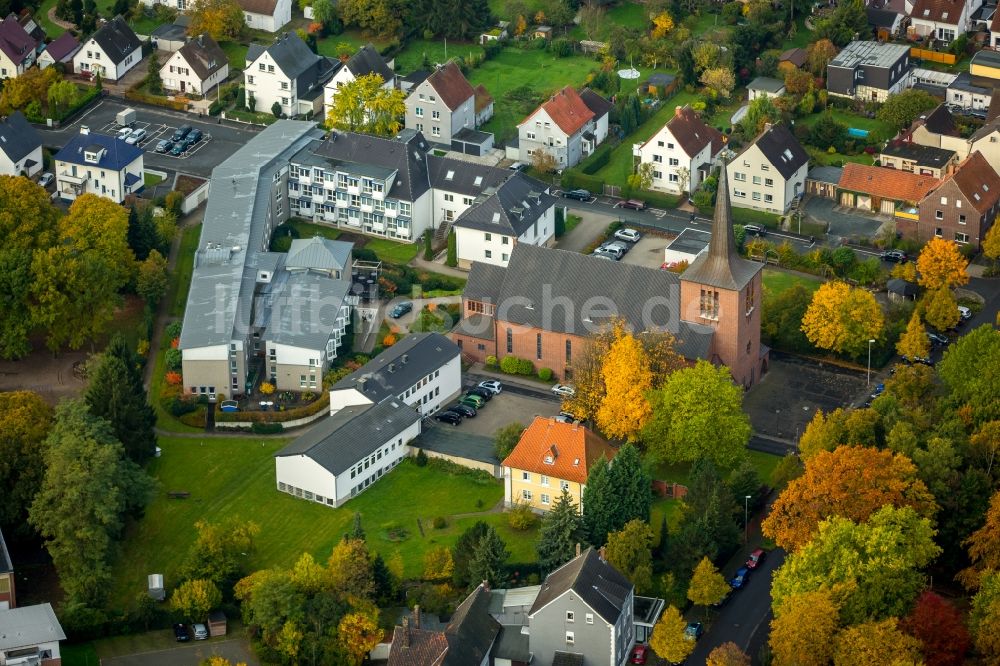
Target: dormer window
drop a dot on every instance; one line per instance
(549, 460)
(92, 155)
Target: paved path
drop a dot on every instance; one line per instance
(402, 325)
(438, 266)
(59, 22)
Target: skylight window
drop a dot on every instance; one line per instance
(927, 12)
(986, 188)
(479, 181)
(788, 155)
(944, 15)
(450, 175)
(975, 196)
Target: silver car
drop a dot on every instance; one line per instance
(136, 136)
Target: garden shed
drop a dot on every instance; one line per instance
(217, 623)
(901, 290)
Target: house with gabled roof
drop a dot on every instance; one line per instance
(61, 49)
(681, 152)
(287, 73)
(30, 635)
(962, 208)
(769, 172)
(111, 51)
(568, 126)
(365, 61)
(98, 164)
(942, 20)
(266, 15)
(442, 105)
(8, 597)
(17, 48)
(552, 456)
(882, 190)
(20, 147)
(197, 67)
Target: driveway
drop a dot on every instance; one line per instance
(647, 252)
(403, 323)
(236, 650)
(591, 226)
(509, 407)
(843, 222)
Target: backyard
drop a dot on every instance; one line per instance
(234, 477)
(390, 251)
(776, 281)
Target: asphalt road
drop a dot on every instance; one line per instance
(745, 618)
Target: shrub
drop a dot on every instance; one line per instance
(598, 161)
(173, 330)
(266, 428)
(613, 227)
(174, 378)
(181, 406)
(174, 200)
(521, 517)
(439, 523)
(491, 361)
(267, 388)
(510, 364)
(545, 374)
(525, 367)
(194, 418)
(389, 340)
(173, 359)
(421, 458)
(562, 48)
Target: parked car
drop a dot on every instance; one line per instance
(491, 385)
(449, 417)
(124, 132)
(179, 147)
(482, 393)
(518, 166)
(400, 309)
(46, 179)
(693, 631)
(879, 389)
(917, 359)
(564, 390)
(194, 136)
(579, 195)
(756, 557)
(473, 401)
(181, 132)
(937, 339)
(137, 137)
(601, 255)
(164, 145)
(894, 257)
(633, 204)
(200, 632)
(464, 410)
(565, 417)
(608, 253)
(629, 235)
(640, 653)
(754, 230)
(739, 579)
(181, 634)
(617, 246)
(964, 313)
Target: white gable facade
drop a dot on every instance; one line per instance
(178, 75)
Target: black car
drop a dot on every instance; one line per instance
(894, 257)
(194, 136)
(181, 633)
(937, 339)
(449, 417)
(401, 309)
(482, 393)
(579, 195)
(180, 133)
(465, 410)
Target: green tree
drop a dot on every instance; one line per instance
(349, 570)
(759, 112)
(632, 486)
(630, 552)
(842, 318)
(25, 420)
(698, 413)
(151, 281)
(668, 640)
(217, 553)
(903, 108)
(848, 22)
(357, 531)
(463, 550)
(365, 106)
(560, 533)
(781, 318)
(221, 19)
(961, 368)
(142, 233)
(984, 620)
(452, 258)
(707, 585)
(153, 81)
(88, 487)
(325, 12)
(598, 503)
(62, 95)
(505, 439)
(488, 559)
(195, 598)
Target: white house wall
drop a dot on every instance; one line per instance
(172, 80)
(11, 168)
(90, 58)
(340, 398)
(266, 85)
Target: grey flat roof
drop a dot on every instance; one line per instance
(222, 285)
(987, 58)
(319, 253)
(766, 84)
(469, 135)
(825, 174)
(400, 366)
(455, 442)
(690, 241)
(302, 309)
(869, 53)
(966, 83)
(28, 626)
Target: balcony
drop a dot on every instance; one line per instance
(378, 195)
(70, 178)
(391, 212)
(354, 189)
(908, 213)
(318, 198)
(367, 208)
(305, 179)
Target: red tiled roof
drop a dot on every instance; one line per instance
(691, 132)
(451, 85)
(939, 11)
(567, 110)
(978, 181)
(570, 447)
(885, 183)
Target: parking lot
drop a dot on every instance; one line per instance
(156, 132)
(512, 405)
(647, 252)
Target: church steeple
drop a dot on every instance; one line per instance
(721, 265)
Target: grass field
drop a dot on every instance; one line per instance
(328, 45)
(776, 282)
(387, 250)
(79, 655)
(437, 51)
(237, 54)
(234, 477)
(823, 158)
(875, 126)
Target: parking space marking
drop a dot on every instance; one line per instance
(156, 133)
(658, 212)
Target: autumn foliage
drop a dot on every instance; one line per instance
(389, 340)
(940, 264)
(940, 628)
(842, 318)
(984, 545)
(627, 378)
(803, 628)
(852, 482)
(174, 378)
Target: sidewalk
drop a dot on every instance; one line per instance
(534, 385)
(438, 266)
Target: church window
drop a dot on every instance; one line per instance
(709, 304)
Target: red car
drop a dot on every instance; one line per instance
(633, 204)
(756, 557)
(640, 653)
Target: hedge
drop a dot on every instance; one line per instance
(657, 199)
(136, 96)
(597, 162)
(81, 101)
(276, 417)
(573, 179)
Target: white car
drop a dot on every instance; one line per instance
(136, 136)
(630, 235)
(46, 179)
(124, 133)
(564, 390)
(200, 632)
(492, 385)
(964, 312)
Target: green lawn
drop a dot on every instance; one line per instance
(393, 252)
(751, 216)
(308, 229)
(776, 282)
(79, 655)
(764, 463)
(51, 29)
(353, 38)
(234, 477)
(875, 126)
(411, 58)
(237, 54)
(823, 158)
(151, 180)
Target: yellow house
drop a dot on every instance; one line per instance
(986, 64)
(549, 457)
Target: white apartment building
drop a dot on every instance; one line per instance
(768, 173)
(98, 164)
(681, 152)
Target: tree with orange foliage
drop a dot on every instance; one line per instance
(940, 264)
(984, 547)
(852, 482)
(842, 318)
(727, 654)
(389, 340)
(940, 628)
(174, 378)
(625, 409)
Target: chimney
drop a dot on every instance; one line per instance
(601, 552)
(677, 111)
(486, 585)
(404, 358)
(416, 616)
(578, 549)
(406, 632)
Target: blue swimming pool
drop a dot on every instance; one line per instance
(857, 133)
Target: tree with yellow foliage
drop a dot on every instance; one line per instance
(540, 17)
(195, 598)
(438, 564)
(707, 585)
(668, 640)
(940, 308)
(905, 271)
(842, 318)
(876, 644)
(803, 629)
(991, 243)
(358, 634)
(719, 81)
(218, 660)
(364, 106)
(913, 342)
(727, 654)
(940, 264)
(520, 26)
(663, 23)
(222, 19)
(625, 409)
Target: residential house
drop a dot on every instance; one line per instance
(266, 15)
(681, 153)
(17, 48)
(345, 453)
(442, 105)
(551, 457)
(495, 34)
(584, 613)
(962, 208)
(61, 49)
(518, 210)
(197, 67)
(968, 92)
(423, 370)
(659, 84)
(31, 26)
(286, 73)
(880, 190)
(869, 71)
(823, 180)
(170, 37)
(886, 23)
(20, 147)
(29, 636)
(942, 20)
(994, 41)
(914, 158)
(467, 639)
(484, 105)
(98, 164)
(982, 18)
(412, 80)
(542, 32)
(568, 126)
(8, 598)
(365, 61)
(111, 51)
(712, 308)
(769, 172)
(225, 318)
(794, 58)
(985, 65)
(763, 86)
(937, 129)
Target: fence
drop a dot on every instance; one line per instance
(933, 56)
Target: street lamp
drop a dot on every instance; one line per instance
(746, 516)
(870, 343)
